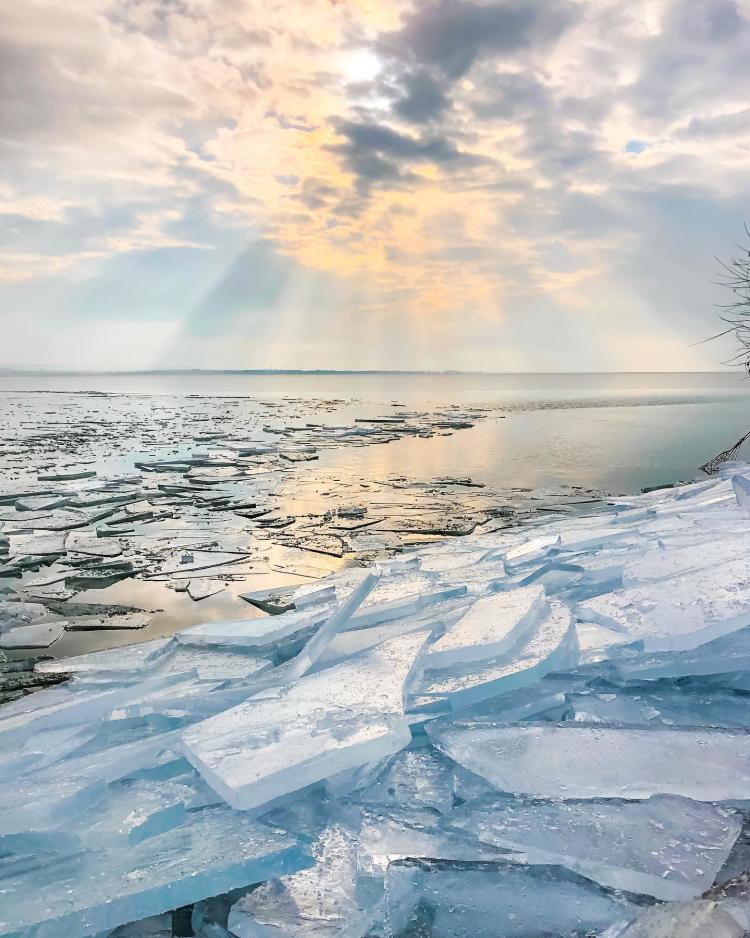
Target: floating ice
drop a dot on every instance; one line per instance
(40, 635)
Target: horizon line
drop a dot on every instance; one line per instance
(11, 371)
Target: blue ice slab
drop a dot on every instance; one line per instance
(665, 847)
(85, 893)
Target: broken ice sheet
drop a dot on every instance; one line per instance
(212, 851)
(39, 635)
(46, 542)
(446, 899)
(320, 902)
(130, 620)
(325, 723)
(203, 587)
(489, 628)
(692, 609)
(92, 546)
(580, 761)
(665, 847)
(550, 646)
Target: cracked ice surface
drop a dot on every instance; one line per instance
(522, 733)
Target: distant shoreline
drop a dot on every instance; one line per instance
(51, 373)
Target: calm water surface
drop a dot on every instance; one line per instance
(614, 432)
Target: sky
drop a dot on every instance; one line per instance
(497, 185)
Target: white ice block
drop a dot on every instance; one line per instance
(550, 646)
(489, 628)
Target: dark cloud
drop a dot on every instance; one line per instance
(423, 97)
(724, 125)
(451, 34)
(376, 153)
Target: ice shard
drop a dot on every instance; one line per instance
(489, 628)
(325, 723)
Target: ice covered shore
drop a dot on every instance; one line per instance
(536, 732)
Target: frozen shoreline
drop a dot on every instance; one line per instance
(538, 730)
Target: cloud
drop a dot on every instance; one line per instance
(423, 97)
(452, 34)
(427, 180)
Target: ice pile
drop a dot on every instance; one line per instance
(537, 732)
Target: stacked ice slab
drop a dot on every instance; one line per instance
(537, 732)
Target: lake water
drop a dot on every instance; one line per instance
(611, 432)
(549, 442)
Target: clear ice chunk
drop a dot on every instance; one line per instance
(319, 902)
(128, 659)
(669, 706)
(325, 723)
(491, 899)
(253, 633)
(701, 918)
(533, 549)
(399, 835)
(88, 892)
(721, 656)
(419, 778)
(666, 847)
(581, 761)
(741, 486)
